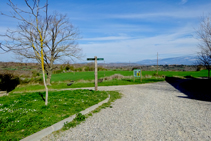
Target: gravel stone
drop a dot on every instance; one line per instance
(155, 111)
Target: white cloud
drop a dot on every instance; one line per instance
(107, 38)
(141, 48)
(183, 13)
(172, 14)
(183, 1)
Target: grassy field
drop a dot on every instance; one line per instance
(63, 85)
(90, 75)
(24, 114)
(85, 79)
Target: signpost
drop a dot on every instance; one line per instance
(90, 59)
(94, 59)
(137, 73)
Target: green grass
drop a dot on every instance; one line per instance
(24, 114)
(90, 75)
(202, 73)
(85, 75)
(59, 81)
(63, 85)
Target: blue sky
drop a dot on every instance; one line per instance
(127, 30)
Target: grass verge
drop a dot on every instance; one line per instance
(24, 114)
(59, 81)
(80, 118)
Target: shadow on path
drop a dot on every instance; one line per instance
(193, 88)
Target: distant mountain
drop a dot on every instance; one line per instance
(185, 60)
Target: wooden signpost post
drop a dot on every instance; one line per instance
(95, 59)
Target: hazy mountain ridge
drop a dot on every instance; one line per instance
(185, 60)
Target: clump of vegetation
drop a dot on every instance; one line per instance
(77, 120)
(32, 80)
(157, 75)
(78, 68)
(8, 82)
(35, 73)
(199, 68)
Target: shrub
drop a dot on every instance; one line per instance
(78, 69)
(57, 71)
(35, 73)
(87, 68)
(199, 68)
(8, 82)
(101, 68)
(67, 67)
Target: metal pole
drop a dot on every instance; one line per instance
(104, 68)
(95, 73)
(157, 62)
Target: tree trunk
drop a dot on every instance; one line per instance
(48, 81)
(46, 88)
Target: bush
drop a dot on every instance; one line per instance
(31, 80)
(35, 73)
(67, 67)
(8, 82)
(199, 68)
(87, 68)
(78, 69)
(101, 69)
(57, 71)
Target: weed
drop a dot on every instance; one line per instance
(77, 120)
(80, 117)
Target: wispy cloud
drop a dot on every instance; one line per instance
(136, 49)
(183, 1)
(183, 14)
(174, 12)
(109, 38)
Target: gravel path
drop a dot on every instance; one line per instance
(155, 111)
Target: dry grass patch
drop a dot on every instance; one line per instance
(117, 76)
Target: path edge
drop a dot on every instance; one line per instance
(57, 126)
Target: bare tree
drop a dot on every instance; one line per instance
(204, 35)
(58, 38)
(22, 40)
(60, 41)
